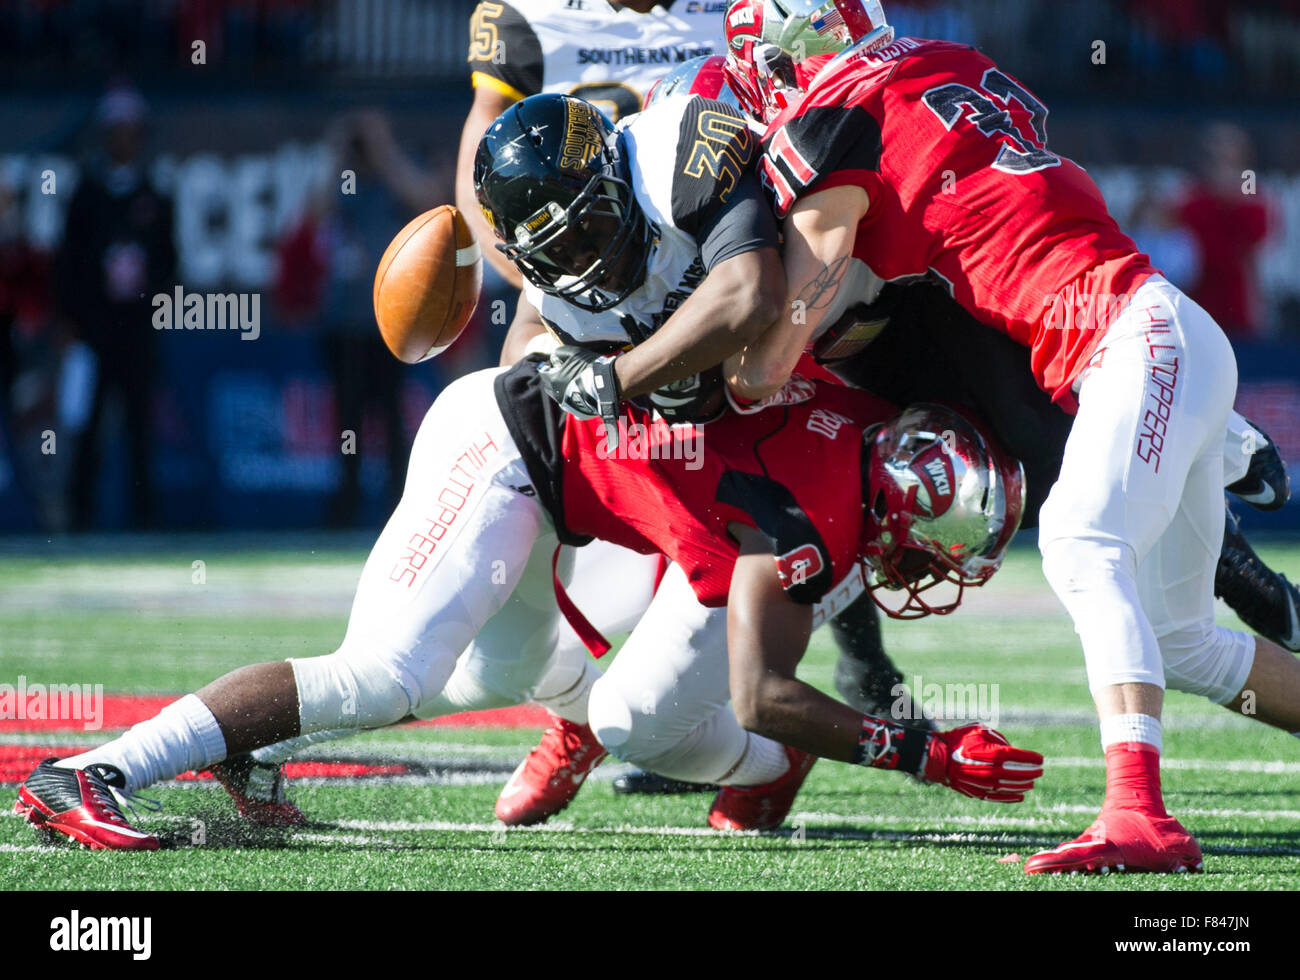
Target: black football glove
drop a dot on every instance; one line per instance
(583, 384)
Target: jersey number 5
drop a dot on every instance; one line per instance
(484, 45)
(989, 112)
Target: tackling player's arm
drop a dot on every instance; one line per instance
(767, 635)
(821, 166)
(819, 236)
(524, 328)
(717, 199)
(505, 59)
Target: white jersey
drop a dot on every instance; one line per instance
(660, 144)
(607, 55)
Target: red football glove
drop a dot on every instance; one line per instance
(977, 761)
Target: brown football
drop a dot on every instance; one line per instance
(427, 284)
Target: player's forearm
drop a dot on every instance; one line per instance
(789, 711)
(737, 300)
(819, 238)
(467, 202)
(767, 634)
(526, 325)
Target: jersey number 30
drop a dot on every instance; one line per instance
(989, 112)
(723, 148)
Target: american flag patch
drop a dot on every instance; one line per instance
(828, 21)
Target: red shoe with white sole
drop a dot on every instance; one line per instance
(258, 791)
(762, 807)
(1123, 840)
(79, 803)
(550, 777)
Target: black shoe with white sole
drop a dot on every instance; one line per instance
(639, 781)
(1266, 485)
(1263, 598)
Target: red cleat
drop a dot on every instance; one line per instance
(550, 777)
(1123, 840)
(258, 791)
(79, 803)
(761, 807)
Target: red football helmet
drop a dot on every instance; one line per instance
(699, 76)
(768, 39)
(942, 504)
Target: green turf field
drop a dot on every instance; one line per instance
(141, 624)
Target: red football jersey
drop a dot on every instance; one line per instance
(953, 155)
(793, 472)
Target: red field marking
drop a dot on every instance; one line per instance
(125, 710)
(17, 762)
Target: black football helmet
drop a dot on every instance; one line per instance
(552, 179)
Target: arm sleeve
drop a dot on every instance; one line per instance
(745, 224)
(504, 52)
(715, 152)
(822, 147)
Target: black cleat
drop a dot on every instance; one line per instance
(639, 781)
(1266, 485)
(1263, 598)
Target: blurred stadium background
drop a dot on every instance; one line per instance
(107, 424)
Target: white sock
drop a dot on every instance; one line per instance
(181, 737)
(763, 762)
(1132, 728)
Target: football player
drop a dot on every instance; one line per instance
(608, 53)
(611, 54)
(768, 524)
(954, 183)
(664, 228)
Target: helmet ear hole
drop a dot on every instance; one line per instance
(879, 506)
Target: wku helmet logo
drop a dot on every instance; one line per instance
(933, 469)
(799, 565)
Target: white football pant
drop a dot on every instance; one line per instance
(455, 611)
(1132, 530)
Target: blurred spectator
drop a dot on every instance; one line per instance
(24, 388)
(360, 218)
(1182, 38)
(1172, 248)
(23, 278)
(117, 253)
(1229, 223)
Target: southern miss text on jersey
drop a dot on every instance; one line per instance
(607, 55)
(952, 153)
(691, 164)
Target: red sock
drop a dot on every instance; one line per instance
(1133, 778)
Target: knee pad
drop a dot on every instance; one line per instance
(1078, 567)
(610, 716)
(1212, 661)
(634, 732)
(1096, 582)
(355, 688)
